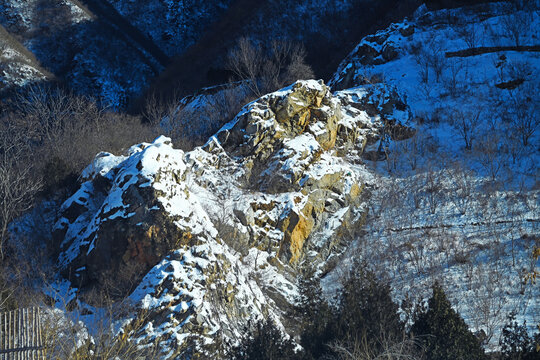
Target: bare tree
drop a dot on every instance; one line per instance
(517, 25)
(359, 349)
(422, 60)
(463, 185)
(18, 184)
(268, 69)
(468, 33)
(192, 120)
(156, 108)
(246, 61)
(48, 111)
(451, 81)
(432, 187)
(526, 110)
(466, 124)
(489, 155)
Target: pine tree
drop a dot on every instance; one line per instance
(367, 311)
(443, 332)
(516, 344)
(266, 342)
(315, 314)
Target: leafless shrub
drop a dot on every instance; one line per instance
(359, 349)
(487, 303)
(467, 124)
(422, 60)
(190, 125)
(246, 61)
(66, 336)
(411, 150)
(513, 145)
(463, 185)
(432, 188)
(436, 57)
(72, 128)
(50, 110)
(517, 25)
(157, 107)
(268, 69)
(451, 81)
(17, 182)
(525, 109)
(430, 56)
(113, 133)
(489, 156)
(468, 33)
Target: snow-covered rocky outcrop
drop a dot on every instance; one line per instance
(219, 230)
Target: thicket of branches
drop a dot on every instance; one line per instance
(266, 68)
(47, 136)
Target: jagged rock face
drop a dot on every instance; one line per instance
(196, 299)
(219, 230)
(375, 49)
(286, 143)
(129, 213)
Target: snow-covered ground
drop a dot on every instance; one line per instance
(459, 201)
(18, 67)
(68, 40)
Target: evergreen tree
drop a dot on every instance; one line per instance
(443, 332)
(314, 314)
(516, 344)
(266, 342)
(367, 313)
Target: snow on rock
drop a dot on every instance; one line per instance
(220, 230)
(466, 217)
(454, 65)
(196, 299)
(126, 199)
(18, 67)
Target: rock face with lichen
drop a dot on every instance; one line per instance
(206, 240)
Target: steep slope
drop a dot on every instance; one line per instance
(219, 231)
(104, 11)
(328, 29)
(180, 25)
(458, 202)
(113, 50)
(89, 55)
(18, 66)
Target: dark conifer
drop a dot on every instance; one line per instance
(266, 342)
(314, 313)
(516, 344)
(443, 332)
(367, 312)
